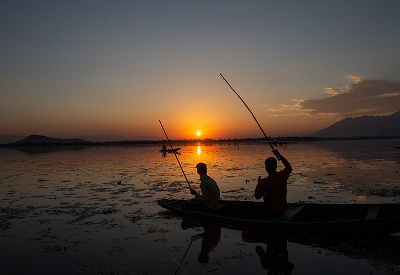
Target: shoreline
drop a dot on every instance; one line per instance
(274, 141)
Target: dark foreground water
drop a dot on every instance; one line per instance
(94, 209)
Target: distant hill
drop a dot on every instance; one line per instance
(363, 126)
(5, 139)
(43, 140)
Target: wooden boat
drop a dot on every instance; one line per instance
(301, 218)
(169, 150)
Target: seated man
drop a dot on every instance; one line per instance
(209, 198)
(274, 187)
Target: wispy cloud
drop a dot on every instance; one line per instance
(355, 78)
(345, 89)
(287, 110)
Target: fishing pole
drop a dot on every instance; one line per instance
(270, 144)
(175, 154)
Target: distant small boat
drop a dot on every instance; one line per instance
(169, 150)
(301, 218)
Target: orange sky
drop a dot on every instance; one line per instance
(74, 69)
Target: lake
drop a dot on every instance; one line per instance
(94, 209)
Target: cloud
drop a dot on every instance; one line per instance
(355, 78)
(364, 97)
(287, 110)
(345, 89)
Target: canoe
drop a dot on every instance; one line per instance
(169, 150)
(301, 218)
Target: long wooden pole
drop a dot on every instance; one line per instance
(270, 144)
(175, 154)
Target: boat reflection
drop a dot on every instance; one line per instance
(274, 258)
(164, 153)
(273, 249)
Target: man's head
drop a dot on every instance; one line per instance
(201, 168)
(271, 164)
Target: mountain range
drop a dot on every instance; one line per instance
(363, 126)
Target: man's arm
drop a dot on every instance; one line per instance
(284, 161)
(204, 193)
(259, 192)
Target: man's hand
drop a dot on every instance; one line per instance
(281, 158)
(192, 191)
(277, 154)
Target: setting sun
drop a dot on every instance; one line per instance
(198, 134)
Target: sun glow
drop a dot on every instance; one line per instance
(198, 134)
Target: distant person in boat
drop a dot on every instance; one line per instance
(274, 187)
(164, 148)
(209, 198)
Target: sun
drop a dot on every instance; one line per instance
(198, 134)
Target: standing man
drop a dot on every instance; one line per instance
(274, 187)
(209, 198)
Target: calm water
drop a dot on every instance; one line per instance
(94, 210)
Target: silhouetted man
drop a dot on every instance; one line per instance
(274, 187)
(209, 198)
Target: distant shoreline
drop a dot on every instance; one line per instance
(275, 141)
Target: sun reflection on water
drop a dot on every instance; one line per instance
(199, 150)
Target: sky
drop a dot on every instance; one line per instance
(83, 68)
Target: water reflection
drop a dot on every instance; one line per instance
(210, 239)
(100, 204)
(164, 154)
(363, 150)
(319, 170)
(275, 257)
(278, 253)
(34, 150)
